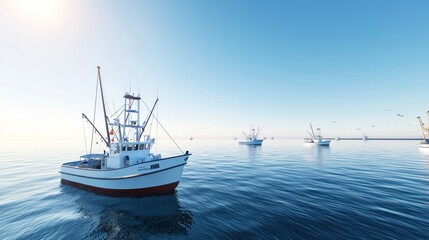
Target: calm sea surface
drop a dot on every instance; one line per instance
(282, 190)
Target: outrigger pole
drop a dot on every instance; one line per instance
(102, 137)
(310, 134)
(147, 120)
(312, 131)
(246, 135)
(106, 119)
(422, 126)
(259, 130)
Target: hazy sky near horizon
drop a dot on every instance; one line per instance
(219, 67)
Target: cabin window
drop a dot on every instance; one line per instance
(123, 148)
(141, 147)
(135, 147)
(129, 147)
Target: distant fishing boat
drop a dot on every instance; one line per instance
(316, 139)
(191, 138)
(127, 168)
(424, 145)
(235, 138)
(364, 137)
(252, 138)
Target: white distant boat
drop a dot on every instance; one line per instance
(127, 168)
(252, 138)
(316, 139)
(424, 145)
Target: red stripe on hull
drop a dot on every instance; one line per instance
(141, 192)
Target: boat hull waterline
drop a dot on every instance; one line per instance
(324, 142)
(156, 177)
(424, 148)
(252, 142)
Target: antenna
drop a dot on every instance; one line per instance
(129, 81)
(259, 130)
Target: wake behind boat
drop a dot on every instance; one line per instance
(127, 168)
(252, 138)
(316, 139)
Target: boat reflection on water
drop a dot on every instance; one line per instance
(316, 152)
(253, 151)
(130, 218)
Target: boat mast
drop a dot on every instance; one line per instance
(104, 108)
(128, 110)
(138, 121)
(125, 119)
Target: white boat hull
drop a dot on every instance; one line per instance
(148, 178)
(424, 147)
(324, 142)
(253, 142)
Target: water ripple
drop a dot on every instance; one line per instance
(282, 190)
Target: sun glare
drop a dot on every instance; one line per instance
(36, 13)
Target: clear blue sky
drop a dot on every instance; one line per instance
(219, 66)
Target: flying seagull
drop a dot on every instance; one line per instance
(372, 125)
(400, 115)
(388, 109)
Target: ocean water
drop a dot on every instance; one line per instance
(280, 190)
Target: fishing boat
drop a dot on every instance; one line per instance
(424, 145)
(127, 167)
(316, 139)
(252, 138)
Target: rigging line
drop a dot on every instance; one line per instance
(122, 108)
(157, 111)
(84, 136)
(150, 127)
(164, 129)
(93, 120)
(116, 111)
